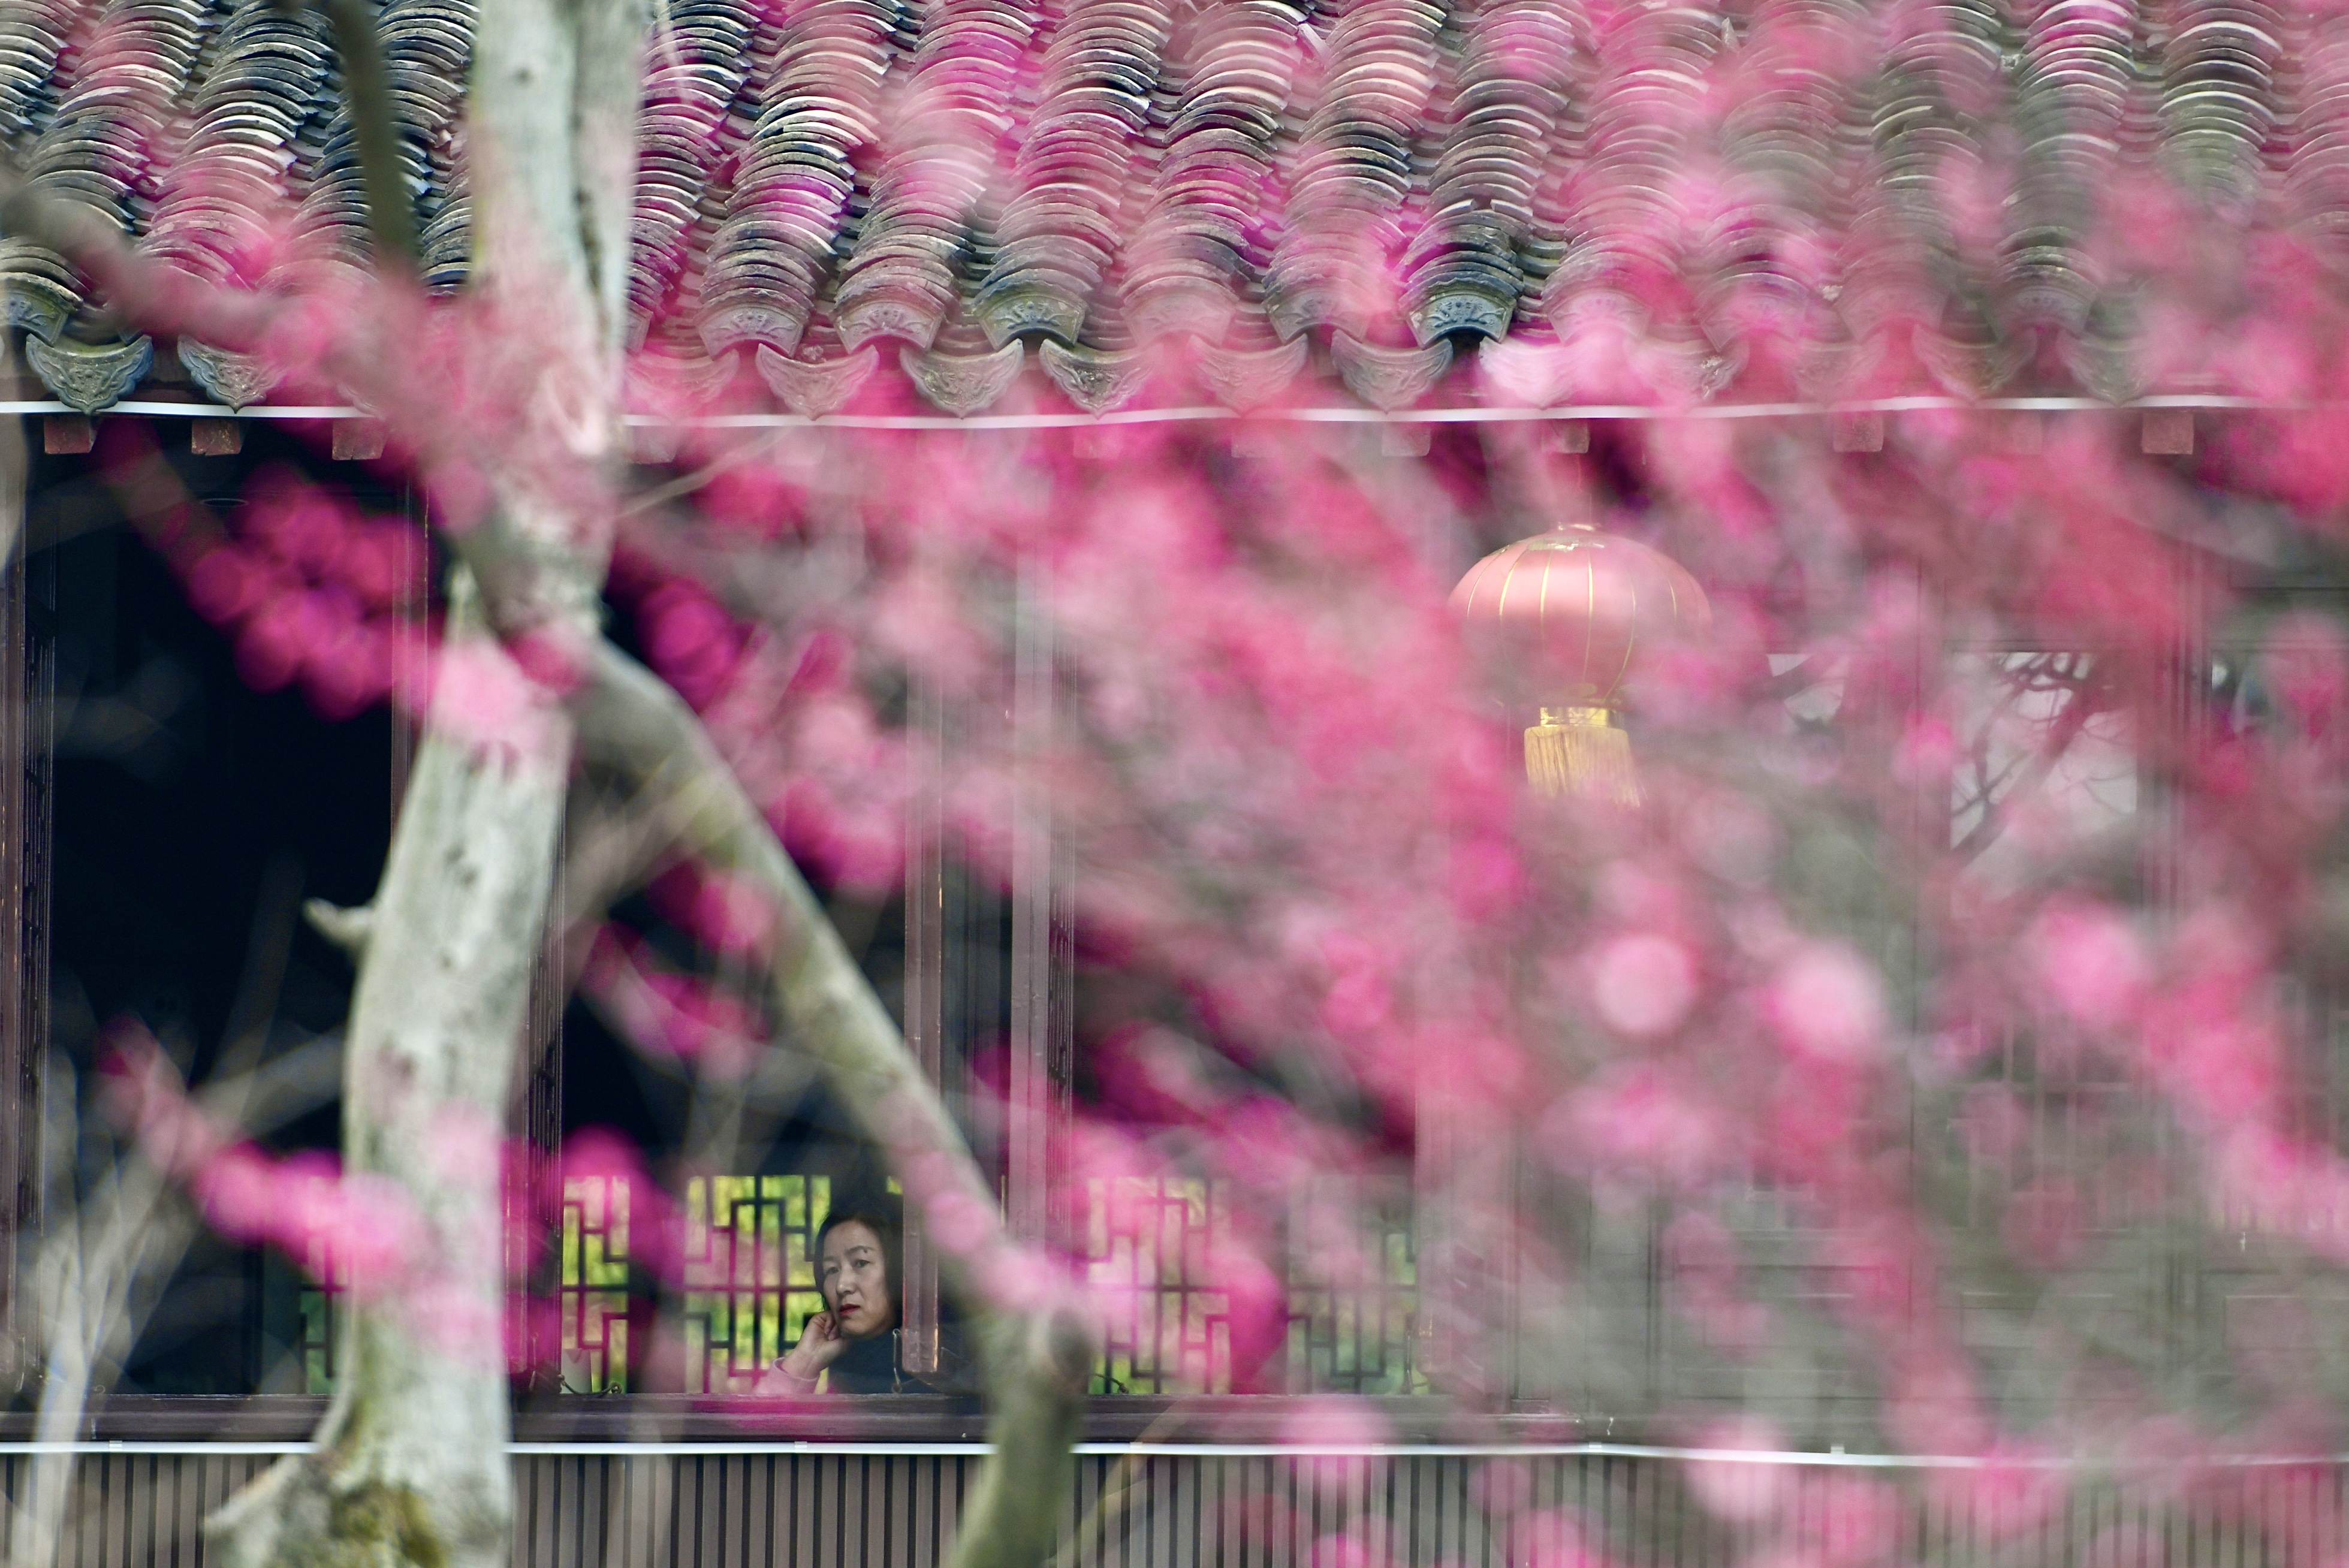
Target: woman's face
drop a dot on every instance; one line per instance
(854, 1274)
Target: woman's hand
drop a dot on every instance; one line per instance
(819, 1345)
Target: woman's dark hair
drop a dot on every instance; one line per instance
(883, 1213)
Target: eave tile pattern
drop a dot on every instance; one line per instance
(965, 205)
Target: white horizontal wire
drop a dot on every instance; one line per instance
(1328, 416)
(1210, 1450)
(195, 410)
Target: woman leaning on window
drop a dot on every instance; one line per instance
(859, 1266)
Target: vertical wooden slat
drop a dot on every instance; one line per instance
(1304, 1516)
(837, 1526)
(854, 1547)
(1184, 1505)
(1152, 1537)
(916, 1542)
(767, 1515)
(1200, 1514)
(570, 1500)
(676, 1517)
(701, 1508)
(966, 1475)
(938, 1478)
(144, 1541)
(97, 1526)
(623, 1541)
(188, 1511)
(654, 1531)
(113, 1506)
(873, 1542)
(1256, 1490)
(704, 1506)
(69, 1528)
(619, 1513)
(746, 1488)
(804, 1508)
(1227, 1554)
(554, 1486)
(597, 1494)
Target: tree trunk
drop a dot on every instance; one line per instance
(412, 1464)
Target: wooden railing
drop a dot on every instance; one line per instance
(874, 1504)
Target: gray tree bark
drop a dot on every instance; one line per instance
(410, 1465)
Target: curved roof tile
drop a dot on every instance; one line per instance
(1248, 200)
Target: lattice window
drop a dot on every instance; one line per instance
(325, 1277)
(1148, 1255)
(749, 1274)
(592, 1299)
(1151, 1248)
(1353, 1291)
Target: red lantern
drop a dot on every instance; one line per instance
(1570, 613)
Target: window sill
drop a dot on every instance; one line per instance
(1242, 1420)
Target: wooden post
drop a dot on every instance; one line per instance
(1042, 936)
(24, 787)
(925, 1003)
(1464, 1211)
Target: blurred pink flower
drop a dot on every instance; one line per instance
(1828, 1004)
(1634, 1117)
(1643, 984)
(2090, 961)
(1747, 1490)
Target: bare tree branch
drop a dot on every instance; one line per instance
(1038, 1348)
(390, 217)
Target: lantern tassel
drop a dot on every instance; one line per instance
(1581, 751)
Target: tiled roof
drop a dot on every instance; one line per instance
(851, 204)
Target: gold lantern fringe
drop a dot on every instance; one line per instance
(1581, 751)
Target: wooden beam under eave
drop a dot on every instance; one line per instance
(1859, 432)
(357, 441)
(215, 438)
(66, 435)
(2167, 432)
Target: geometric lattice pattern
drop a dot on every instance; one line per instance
(1150, 1247)
(592, 1294)
(325, 1279)
(1161, 1255)
(748, 1290)
(1352, 1291)
(749, 1274)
